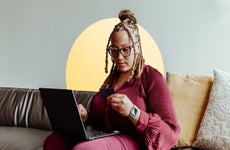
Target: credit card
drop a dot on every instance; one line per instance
(105, 92)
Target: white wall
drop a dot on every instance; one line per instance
(36, 36)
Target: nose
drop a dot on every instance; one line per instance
(120, 56)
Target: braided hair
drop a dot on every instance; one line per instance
(127, 23)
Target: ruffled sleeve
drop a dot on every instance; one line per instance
(158, 128)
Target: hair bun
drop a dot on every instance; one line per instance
(126, 14)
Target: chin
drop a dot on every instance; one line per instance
(124, 69)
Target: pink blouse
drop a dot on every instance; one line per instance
(158, 127)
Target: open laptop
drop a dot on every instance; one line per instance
(61, 107)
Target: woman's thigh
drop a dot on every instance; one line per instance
(118, 142)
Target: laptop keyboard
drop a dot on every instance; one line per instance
(94, 133)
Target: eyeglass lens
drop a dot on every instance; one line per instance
(114, 52)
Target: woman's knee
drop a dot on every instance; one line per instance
(55, 141)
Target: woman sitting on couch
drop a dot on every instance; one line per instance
(141, 106)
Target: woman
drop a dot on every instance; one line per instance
(141, 106)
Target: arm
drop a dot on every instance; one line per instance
(158, 127)
(156, 122)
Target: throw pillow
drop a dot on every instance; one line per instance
(214, 132)
(190, 96)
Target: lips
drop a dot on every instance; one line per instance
(120, 65)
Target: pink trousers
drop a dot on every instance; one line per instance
(118, 142)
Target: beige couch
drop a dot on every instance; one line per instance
(190, 94)
(202, 104)
(24, 123)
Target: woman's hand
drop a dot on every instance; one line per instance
(83, 112)
(121, 103)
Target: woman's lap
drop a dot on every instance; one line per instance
(119, 142)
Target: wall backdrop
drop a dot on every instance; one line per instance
(36, 36)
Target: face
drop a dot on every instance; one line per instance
(121, 40)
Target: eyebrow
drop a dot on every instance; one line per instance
(122, 46)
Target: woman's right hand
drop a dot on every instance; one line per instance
(83, 112)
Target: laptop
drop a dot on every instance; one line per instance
(61, 107)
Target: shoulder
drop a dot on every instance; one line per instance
(150, 72)
(153, 81)
(152, 77)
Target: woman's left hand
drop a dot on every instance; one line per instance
(83, 112)
(121, 103)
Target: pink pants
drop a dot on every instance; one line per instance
(119, 142)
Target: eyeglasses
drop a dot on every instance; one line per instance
(114, 52)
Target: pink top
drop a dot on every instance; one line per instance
(158, 126)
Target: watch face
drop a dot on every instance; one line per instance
(133, 111)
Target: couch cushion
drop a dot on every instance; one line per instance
(190, 95)
(214, 132)
(16, 138)
(22, 107)
(84, 98)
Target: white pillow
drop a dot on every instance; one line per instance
(214, 131)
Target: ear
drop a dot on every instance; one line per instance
(138, 46)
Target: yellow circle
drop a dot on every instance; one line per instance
(86, 60)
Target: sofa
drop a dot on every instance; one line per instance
(24, 123)
(202, 104)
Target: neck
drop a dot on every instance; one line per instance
(123, 77)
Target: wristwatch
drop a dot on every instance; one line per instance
(133, 112)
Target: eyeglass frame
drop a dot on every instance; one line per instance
(120, 51)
